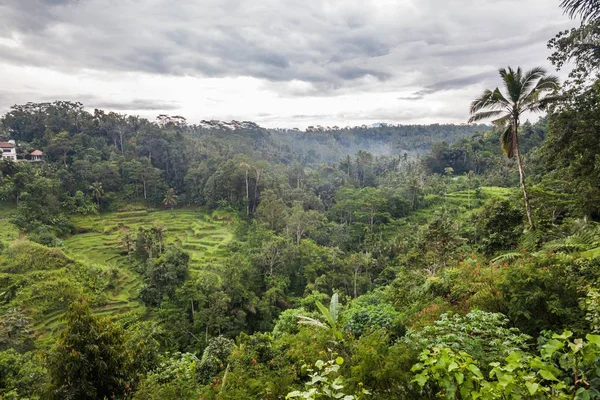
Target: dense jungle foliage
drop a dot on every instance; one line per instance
(167, 260)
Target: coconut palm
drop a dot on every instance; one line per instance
(523, 92)
(170, 199)
(98, 191)
(586, 9)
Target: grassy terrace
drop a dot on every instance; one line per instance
(464, 203)
(203, 236)
(98, 242)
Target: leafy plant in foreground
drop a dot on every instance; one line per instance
(325, 383)
(566, 368)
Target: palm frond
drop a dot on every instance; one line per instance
(484, 115)
(586, 9)
(547, 83)
(491, 99)
(531, 78)
(508, 142)
(512, 82)
(536, 99)
(503, 121)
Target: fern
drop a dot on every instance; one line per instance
(507, 257)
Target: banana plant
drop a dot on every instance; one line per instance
(329, 316)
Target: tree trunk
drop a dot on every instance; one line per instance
(256, 190)
(356, 270)
(522, 176)
(247, 195)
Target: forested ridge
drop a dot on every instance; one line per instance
(168, 259)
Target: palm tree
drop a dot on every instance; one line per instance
(523, 92)
(170, 198)
(98, 191)
(586, 9)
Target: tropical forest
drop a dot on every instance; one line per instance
(172, 259)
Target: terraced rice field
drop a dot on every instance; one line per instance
(204, 237)
(462, 203)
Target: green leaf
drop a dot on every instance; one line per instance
(576, 345)
(532, 387)
(594, 339)
(334, 307)
(505, 379)
(582, 394)
(421, 379)
(475, 370)
(551, 347)
(547, 375)
(565, 335)
(453, 365)
(295, 393)
(460, 378)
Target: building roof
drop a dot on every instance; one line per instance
(36, 153)
(6, 145)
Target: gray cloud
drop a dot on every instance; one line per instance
(334, 48)
(450, 84)
(133, 105)
(327, 43)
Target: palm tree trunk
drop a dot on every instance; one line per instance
(522, 178)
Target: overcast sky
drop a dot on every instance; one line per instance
(280, 63)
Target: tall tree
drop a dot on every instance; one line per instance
(523, 92)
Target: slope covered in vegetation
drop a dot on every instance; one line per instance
(161, 260)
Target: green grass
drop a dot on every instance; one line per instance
(8, 232)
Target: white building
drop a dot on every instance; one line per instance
(36, 156)
(8, 150)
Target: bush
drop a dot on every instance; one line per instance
(498, 226)
(287, 323)
(174, 378)
(485, 336)
(544, 293)
(43, 235)
(368, 313)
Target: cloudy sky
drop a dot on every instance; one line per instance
(286, 63)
